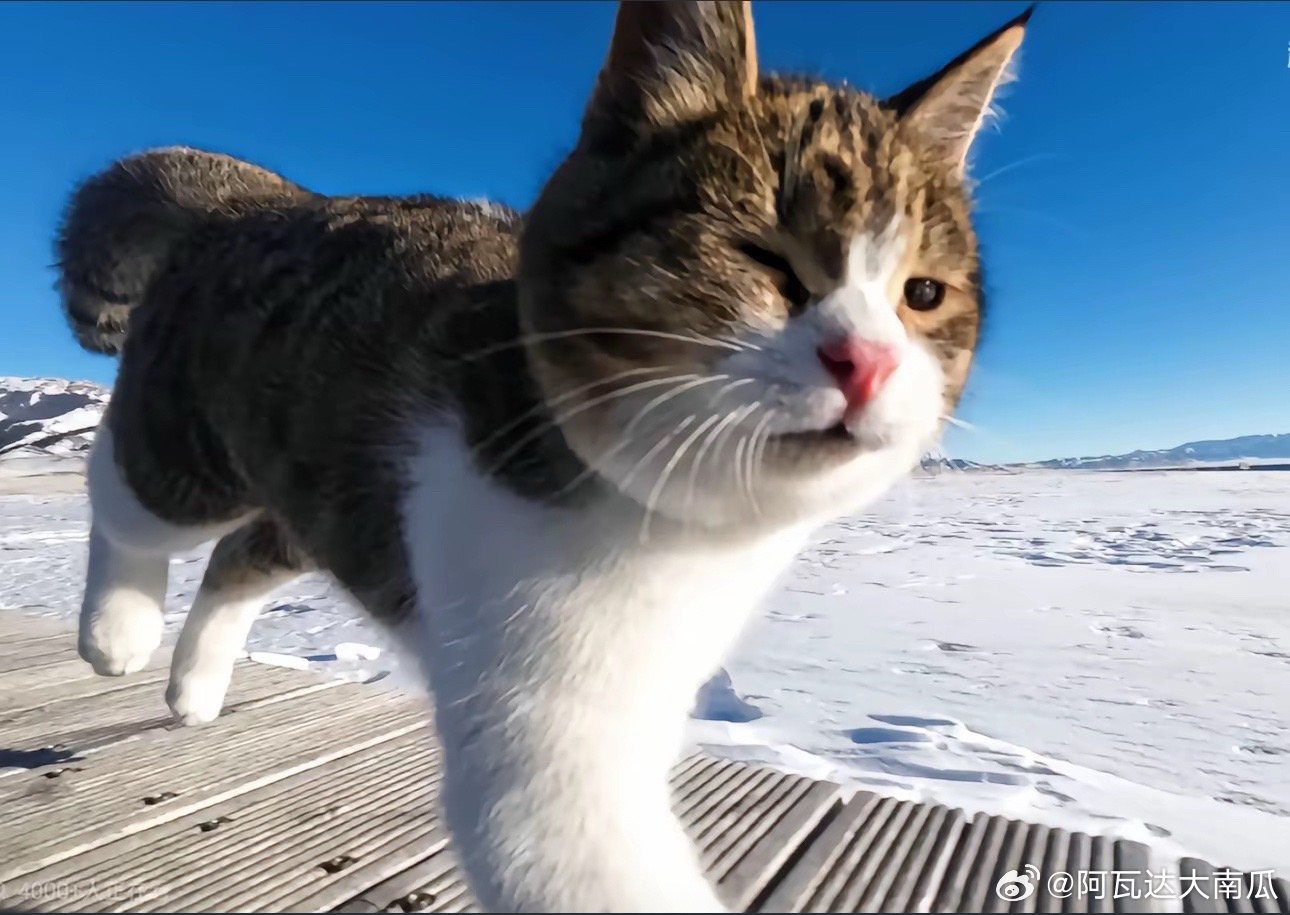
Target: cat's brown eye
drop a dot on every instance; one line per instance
(922, 294)
(781, 273)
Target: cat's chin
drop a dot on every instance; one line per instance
(818, 476)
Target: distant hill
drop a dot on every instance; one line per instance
(48, 416)
(1252, 448)
(931, 465)
(55, 417)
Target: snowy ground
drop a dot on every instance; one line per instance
(1108, 652)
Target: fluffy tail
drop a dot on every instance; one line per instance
(121, 224)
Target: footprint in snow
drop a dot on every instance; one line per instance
(952, 646)
(1124, 632)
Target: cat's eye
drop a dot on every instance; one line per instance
(922, 294)
(781, 273)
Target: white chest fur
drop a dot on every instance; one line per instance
(563, 655)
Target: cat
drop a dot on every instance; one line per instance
(560, 455)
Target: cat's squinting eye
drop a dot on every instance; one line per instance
(781, 273)
(922, 294)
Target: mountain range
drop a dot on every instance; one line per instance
(49, 416)
(56, 417)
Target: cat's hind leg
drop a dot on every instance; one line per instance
(245, 567)
(129, 561)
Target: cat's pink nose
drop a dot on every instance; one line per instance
(860, 368)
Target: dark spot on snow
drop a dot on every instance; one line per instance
(954, 646)
(914, 721)
(1126, 632)
(886, 735)
(1261, 749)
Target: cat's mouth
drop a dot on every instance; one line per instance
(837, 433)
(834, 442)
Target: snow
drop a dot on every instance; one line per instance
(1097, 651)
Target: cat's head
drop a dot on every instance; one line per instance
(755, 297)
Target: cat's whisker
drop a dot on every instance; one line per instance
(1048, 218)
(626, 439)
(752, 449)
(650, 454)
(666, 396)
(561, 418)
(961, 424)
(746, 345)
(740, 444)
(562, 398)
(547, 336)
(713, 437)
(760, 457)
(658, 446)
(671, 465)
(978, 183)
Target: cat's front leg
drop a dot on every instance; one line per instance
(557, 755)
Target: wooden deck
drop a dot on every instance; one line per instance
(313, 795)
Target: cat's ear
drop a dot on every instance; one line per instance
(674, 60)
(948, 108)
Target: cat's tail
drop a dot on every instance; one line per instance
(121, 224)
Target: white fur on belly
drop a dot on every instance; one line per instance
(564, 656)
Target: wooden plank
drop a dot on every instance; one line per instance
(684, 770)
(749, 867)
(1132, 859)
(18, 628)
(912, 882)
(703, 792)
(21, 692)
(1101, 862)
(887, 874)
(1032, 855)
(732, 836)
(426, 884)
(694, 782)
(867, 831)
(135, 784)
(712, 831)
(979, 885)
(1196, 878)
(69, 680)
(1079, 859)
(290, 870)
(796, 886)
(11, 645)
(1281, 894)
(40, 654)
(864, 879)
(950, 893)
(1002, 858)
(50, 695)
(49, 727)
(1233, 890)
(154, 862)
(1054, 861)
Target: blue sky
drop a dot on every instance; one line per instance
(1135, 209)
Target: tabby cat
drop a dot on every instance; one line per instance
(559, 455)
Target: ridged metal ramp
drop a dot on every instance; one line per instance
(105, 806)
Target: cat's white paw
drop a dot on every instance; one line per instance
(195, 698)
(120, 642)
